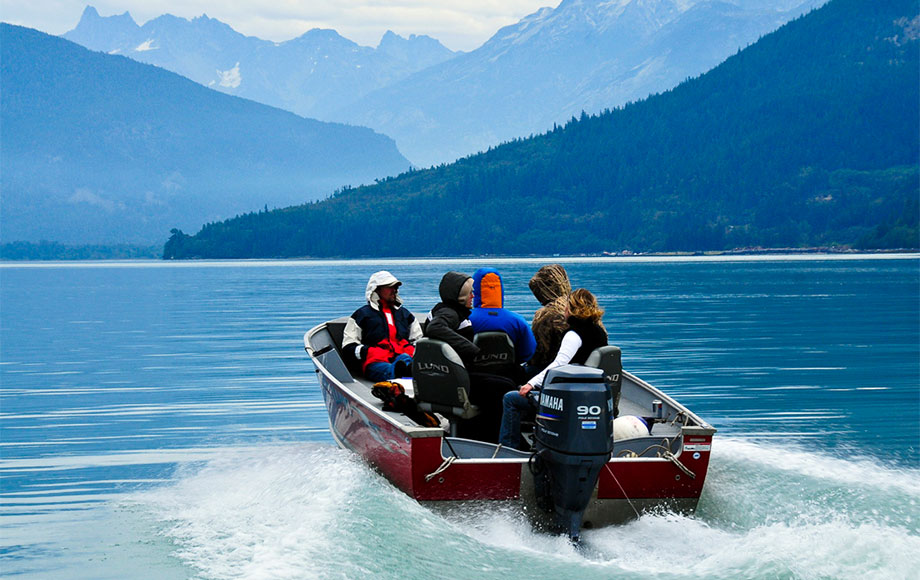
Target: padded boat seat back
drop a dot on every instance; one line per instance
(336, 330)
(609, 359)
(496, 355)
(441, 382)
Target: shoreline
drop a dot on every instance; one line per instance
(747, 255)
(136, 253)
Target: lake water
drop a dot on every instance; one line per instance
(161, 420)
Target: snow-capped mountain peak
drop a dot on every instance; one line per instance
(309, 75)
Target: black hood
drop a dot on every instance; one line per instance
(450, 286)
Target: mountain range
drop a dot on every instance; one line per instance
(97, 148)
(311, 75)
(806, 138)
(583, 55)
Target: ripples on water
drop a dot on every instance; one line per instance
(161, 420)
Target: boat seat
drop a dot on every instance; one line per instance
(496, 356)
(441, 382)
(336, 329)
(609, 359)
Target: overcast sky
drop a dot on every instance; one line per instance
(458, 24)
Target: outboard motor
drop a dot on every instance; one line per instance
(574, 440)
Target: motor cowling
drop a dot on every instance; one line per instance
(574, 440)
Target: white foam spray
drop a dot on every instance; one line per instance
(313, 511)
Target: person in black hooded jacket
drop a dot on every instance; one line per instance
(449, 320)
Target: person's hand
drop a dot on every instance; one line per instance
(525, 389)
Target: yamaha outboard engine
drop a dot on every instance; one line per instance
(574, 440)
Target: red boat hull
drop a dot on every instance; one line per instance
(412, 463)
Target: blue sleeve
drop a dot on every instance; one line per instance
(526, 344)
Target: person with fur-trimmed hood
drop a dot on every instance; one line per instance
(449, 320)
(381, 334)
(551, 286)
(490, 315)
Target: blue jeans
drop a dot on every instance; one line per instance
(381, 371)
(514, 407)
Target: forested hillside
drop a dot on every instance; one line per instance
(809, 137)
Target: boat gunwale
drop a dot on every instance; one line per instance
(700, 428)
(413, 431)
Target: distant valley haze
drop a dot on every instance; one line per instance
(102, 149)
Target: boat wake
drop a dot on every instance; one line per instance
(312, 510)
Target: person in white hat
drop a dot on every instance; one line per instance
(381, 334)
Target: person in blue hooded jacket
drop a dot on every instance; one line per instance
(490, 315)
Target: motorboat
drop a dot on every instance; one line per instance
(606, 446)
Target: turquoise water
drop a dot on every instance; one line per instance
(161, 420)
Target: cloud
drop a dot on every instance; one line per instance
(174, 182)
(458, 25)
(84, 195)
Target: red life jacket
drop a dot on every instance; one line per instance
(389, 348)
